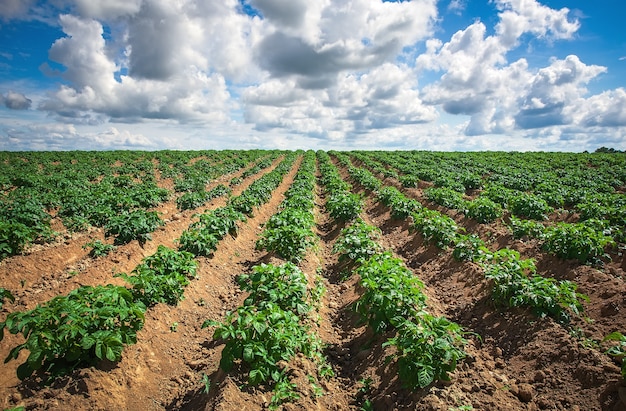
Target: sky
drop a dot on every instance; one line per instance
(447, 75)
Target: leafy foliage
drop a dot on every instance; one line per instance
(516, 284)
(289, 232)
(87, 325)
(285, 285)
(162, 277)
(576, 241)
(14, 238)
(98, 248)
(401, 206)
(445, 196)
(392, 293)
(356, 242)
(136, 225)
(526, 228)
(469, 248)
(530, 206)
(195, 199)
(267, 331)
(5, 295)
(436, 227)
(289, 242)
(344, 206)
(428, 350)
(483, 210)
(618, 351)
(202, 236)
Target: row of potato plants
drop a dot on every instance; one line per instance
(197, 196)
(271, 328)
(92, 324)
(341, 203)
(515, 282)
(113, 190)
(289, 233)
(202, 236)
(95, 323)
(587, 184)
(275, 322)
(561, 179)
(428, 347)
(587, 241)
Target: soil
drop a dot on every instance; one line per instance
(515, 360)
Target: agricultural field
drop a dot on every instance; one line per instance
(253, 280)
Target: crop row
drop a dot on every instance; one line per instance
(289, 233)
(427, 347)
(589, 185)
(515, 281)
(85, 189)
(275, 322)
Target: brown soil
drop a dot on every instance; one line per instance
(515, 360)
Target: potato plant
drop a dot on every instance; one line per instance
(135, 225)
(289, 232)
(483, 210)
(427, 347)
(392, 293)
(516, 284)
(88, 325)
(264, 334)
(577, 241)
(356, 243)
(162, 277)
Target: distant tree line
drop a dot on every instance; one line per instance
(608, 150)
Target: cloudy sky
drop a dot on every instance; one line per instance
(447, 75)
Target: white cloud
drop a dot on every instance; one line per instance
(499, 96)
(554, 92)
(109, 9)
(457, 6)
(15, 101)
(323, 73)
(607, 109)
(529, 16)
(350, 36)
(93, 94)
(382, 98)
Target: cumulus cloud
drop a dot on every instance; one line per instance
(457, 6)
(333, 38)
(189, 94)
(15, 101)
(381, 98)
(182, 61)
(554, 91)
(110, 9)
(607, 109)
(529, 16)
(59, 136)
(500, 96)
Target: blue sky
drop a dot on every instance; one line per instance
(334, 74)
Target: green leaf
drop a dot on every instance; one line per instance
(24, 371)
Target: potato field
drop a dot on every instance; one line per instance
(303, 280)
